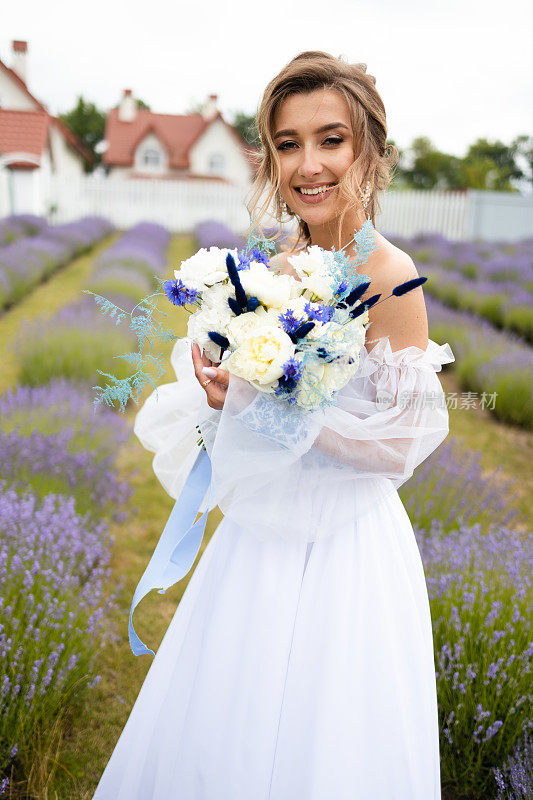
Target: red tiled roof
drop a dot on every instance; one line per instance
(176, 132)
(71, 139)
(23, 132)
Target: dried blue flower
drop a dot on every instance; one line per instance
(322, 314)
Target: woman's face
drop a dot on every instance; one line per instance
(313, 137)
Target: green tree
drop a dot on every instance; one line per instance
(490, 165)
(87, 122)
(430, 168)
(246, 125)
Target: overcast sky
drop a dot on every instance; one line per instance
(453, 71)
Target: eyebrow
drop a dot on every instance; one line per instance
(329, 127)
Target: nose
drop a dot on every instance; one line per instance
(310, 164)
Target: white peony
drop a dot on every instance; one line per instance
(270, 288)
(261, 355)
(242, 326)
(205, 267)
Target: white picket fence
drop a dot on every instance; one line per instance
(180, 205)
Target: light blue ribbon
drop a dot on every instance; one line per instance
(179, 543)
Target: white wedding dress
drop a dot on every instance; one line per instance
(299, 663)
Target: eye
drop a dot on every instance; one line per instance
(332, 141)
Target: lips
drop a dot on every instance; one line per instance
(319, 197)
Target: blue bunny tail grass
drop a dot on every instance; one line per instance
(302, 331)
(217, 338)
(252, 304)
(357, 293)
(356, 312)
(233, 272)
(403, 288)
(235, 307)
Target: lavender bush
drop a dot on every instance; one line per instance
(451, 486)
(17, 226)
(210, 233)
(479, 585)
(30, 260)
(515, 779)
(487, 361)
(53, 572)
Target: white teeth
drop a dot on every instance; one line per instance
(318, 190)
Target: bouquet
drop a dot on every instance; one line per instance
(296, 338)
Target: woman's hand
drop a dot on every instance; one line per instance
(214, 382)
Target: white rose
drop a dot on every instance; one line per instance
(205, 320)
(338, 373)
(260, 357)
(319, 283)
(270, 288)
(205, 267)
(309, 261)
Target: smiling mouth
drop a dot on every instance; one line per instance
(316, 190)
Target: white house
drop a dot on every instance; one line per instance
(142, 144)
(34, 145)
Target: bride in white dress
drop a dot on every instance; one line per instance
(299, 663)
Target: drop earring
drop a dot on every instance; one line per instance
(365, 197)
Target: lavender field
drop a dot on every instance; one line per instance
(81, 511)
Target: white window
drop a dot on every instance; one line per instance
(217, 163)
(151, 157)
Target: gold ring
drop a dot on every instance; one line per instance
(204, 383)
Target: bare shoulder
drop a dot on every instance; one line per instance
(403, 319)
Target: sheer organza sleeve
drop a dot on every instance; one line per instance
(290, 471)
(166, 422)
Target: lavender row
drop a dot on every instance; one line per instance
(479, 586)
(487, 360)
(58, 487)
(17, 226)
(54, 603)
(494, 281)
(497, 262)
(506, 305)
(29, 261)
(79, 339)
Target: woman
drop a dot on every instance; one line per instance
(299, 663)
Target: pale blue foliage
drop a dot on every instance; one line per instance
(261, 242)
(147, 331)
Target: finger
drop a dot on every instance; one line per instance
(218, 376)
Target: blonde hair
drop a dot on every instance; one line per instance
(374, 159)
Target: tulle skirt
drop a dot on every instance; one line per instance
(291, 671)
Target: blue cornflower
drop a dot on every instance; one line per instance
(244, 260)
(321, 314)
(289, 321)
(178, 293)
(292, 372)
(293, 369)
(343, 287)
(258, 255)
